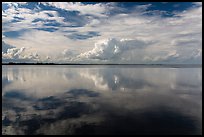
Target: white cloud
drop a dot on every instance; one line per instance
(169, 56)
(19, 55)
(14, 54)
(55, 45)
(5, 47)
(162, 36)
(198, 3)
(181, 33)
(112, 48)
(142, 8)
(96, 9)
(27, 17)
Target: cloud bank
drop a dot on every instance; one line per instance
(112, 48)
(114, 32)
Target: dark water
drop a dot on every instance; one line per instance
(101, 100)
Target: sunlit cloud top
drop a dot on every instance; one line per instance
(133, 32)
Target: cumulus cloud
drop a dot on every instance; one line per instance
(169, 56)
(14, 54)
(5, 47)
(63, 37)
(112, 48)
(19, 55)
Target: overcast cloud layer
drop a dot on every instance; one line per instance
(67, 32)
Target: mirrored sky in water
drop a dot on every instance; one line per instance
(101, 100)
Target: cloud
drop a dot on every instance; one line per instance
(86, 9)
(54, 27)
(112, 48)
(5, 47)
(16, 18)
(198, 4)
(19, 55)
(142, 8)
(168, 57)
(14, 54)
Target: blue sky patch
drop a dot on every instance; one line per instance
(92, 26)
(47, 29)
(14, 34)
(84, 36)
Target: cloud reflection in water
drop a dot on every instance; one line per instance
(101, 100)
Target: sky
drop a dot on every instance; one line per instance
(93, 32)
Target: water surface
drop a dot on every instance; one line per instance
(101, 100)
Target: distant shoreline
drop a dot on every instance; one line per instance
(73, 64)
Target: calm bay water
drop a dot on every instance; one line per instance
(101, 100)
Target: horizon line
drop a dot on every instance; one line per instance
(14, 63)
